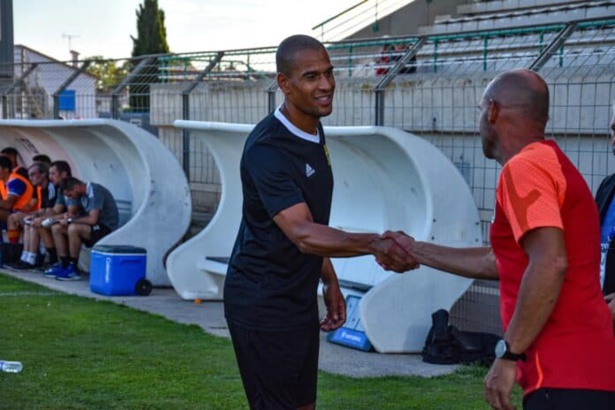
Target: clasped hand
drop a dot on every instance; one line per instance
(394, 252)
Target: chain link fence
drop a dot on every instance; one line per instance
(427, 85)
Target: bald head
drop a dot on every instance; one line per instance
(523, 90)
(287, 50)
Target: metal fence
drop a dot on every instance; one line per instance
(427, 85)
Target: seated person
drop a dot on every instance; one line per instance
(98, 217)
(42, 158)
(16, 194)
(46, 194)
(12, 154)
(58, 171)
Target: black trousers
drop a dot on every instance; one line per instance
(569, 399)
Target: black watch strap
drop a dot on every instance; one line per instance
(502, 351)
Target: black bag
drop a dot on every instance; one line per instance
(445, 344)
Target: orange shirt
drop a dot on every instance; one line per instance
(540, 187)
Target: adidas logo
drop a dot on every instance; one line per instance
(309, 171)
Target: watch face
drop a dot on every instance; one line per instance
(500, 348)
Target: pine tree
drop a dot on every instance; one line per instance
(151, 39)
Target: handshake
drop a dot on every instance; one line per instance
(395, 251)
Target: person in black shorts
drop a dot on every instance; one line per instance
(283, 245)
(97, 218)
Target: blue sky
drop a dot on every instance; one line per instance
(104, 27)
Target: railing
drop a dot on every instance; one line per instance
(354, 18)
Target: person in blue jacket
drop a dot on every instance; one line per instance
(606, 207)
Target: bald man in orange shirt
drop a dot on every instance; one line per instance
(558, 338)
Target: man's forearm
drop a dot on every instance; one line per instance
(477, 263)
(325, 241)
(327, 273)
(5, 205)
(538, 294)
(87, 220)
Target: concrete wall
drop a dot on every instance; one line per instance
(408, 19)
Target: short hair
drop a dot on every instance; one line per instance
(69, 183)
(42, 158)
(41, 167)
(5, 162)
(9, 151)
(288, 49)
(62, 166)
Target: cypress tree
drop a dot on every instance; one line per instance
(151, 39)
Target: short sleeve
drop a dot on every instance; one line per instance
(16, 187)
(531, 194)
(95, 198)
(270, 171)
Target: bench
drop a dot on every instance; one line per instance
(385, 178)
(214, 268)
(124, 208)
(144, 176)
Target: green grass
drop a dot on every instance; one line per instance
(80, 353)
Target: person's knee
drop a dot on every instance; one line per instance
(78, 231)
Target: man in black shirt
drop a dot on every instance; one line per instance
(283, 245)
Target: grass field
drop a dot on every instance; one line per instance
(80, 353)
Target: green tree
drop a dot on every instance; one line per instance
(151, 39)
(108, 74)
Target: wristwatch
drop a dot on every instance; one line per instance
(502, 351)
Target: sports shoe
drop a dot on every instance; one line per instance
(41, 268)
(70, 273)
(21, 265)
(53, 271)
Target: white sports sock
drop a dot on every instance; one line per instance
(31, 258)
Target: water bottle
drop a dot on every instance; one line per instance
(10, 367)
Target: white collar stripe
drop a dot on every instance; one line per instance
(299, 133)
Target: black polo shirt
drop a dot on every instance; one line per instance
(270, 284)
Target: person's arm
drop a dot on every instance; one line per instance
(30, 205)
(477, 263)
(540, 288)
(334, 300)
(297, 224)
(15, 188)
(91, 218)
(7, 204)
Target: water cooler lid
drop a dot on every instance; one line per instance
(118, 249)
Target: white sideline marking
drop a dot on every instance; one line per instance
(27, 293)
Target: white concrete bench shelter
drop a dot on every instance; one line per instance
(384, 178)
(145, 178)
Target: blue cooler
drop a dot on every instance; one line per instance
(118, 270)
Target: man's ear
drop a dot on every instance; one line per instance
(493, 111)
(283, 83)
